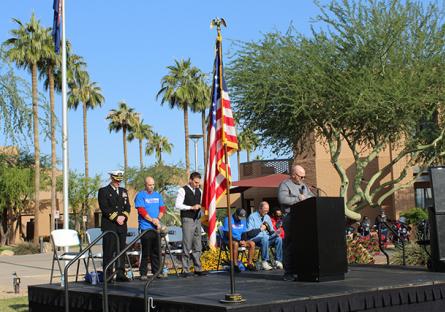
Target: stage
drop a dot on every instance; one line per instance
(365, 288)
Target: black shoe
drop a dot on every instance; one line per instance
(143, 277)
(122, 278)
(251, 267)
(236, 269)
(288, 277)
(201, 273)
(187, 274)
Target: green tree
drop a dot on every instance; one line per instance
(17, 190)
(141, 132)
(26, 48)
(48, 66)
(89, 94)
(15, 115)
(201, 104)
(80, 191)
(374, 79)
(179, 89)
(167, 178)
(157, 145)
(124, 118)
(247, 141)
(15, 195)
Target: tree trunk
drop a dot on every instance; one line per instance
(3, 225)
(53, 148)
(159, 154)
(124, 134)
(140, 154)
(248, 155)
(204, 139)
(238, 158)
(186, 131)
(35, 113)
(90, 210)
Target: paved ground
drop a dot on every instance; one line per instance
(32, 270)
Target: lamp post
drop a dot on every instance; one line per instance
(195, 138)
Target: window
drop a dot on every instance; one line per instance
(423, 197)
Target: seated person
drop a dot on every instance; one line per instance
(277, 222)
(239, 238)
(260, 230)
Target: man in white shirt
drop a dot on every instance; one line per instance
(188, 202)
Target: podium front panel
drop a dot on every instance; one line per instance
(318, 239)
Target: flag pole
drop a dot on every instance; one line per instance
(231, 297)
(64, 125)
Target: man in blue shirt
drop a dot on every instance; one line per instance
(239, 239)
(151, 208)
(260, 225)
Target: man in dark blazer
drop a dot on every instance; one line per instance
(115, 206)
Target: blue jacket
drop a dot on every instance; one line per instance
(255, 221)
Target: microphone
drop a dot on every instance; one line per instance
(319, 190)
(302, 189)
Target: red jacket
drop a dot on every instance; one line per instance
(274, 223)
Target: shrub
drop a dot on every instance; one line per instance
(370, 242)
(26, 249)
(209, 259)
(357, 253)
(415, 215)
(414, 255)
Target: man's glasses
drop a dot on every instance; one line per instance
(297, 175)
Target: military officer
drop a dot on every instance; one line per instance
(115, 206)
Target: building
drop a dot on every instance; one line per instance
(322, 177)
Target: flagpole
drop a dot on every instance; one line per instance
(64, 126)
(232, 297)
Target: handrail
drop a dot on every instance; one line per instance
(379, 234)
(105, 289)
(161, 266)
(81, 253)
(398, 237)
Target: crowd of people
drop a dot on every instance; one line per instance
(264, 229)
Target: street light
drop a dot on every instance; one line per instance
(195, 138)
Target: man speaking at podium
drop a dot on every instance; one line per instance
(290, 192)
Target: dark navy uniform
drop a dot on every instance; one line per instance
(114, 203)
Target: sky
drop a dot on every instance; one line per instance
(127, 46)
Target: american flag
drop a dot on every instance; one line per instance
(57, 7)
(221, 131)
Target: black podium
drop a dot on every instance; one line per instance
(318, 239)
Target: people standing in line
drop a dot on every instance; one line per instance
(239, 239)
(115, 206)
(151, 209)
(290, 192)
(261, 232)
(188, 202)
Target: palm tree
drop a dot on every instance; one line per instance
(202, 102)
(89, 94)
(178, 89)
(140, 131)
(157, 145)
(26, 49)
(124, 118)
(248, 141)
(48, 67)
(84, 91)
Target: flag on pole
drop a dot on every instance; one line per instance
(57, 7)
(221, 131)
